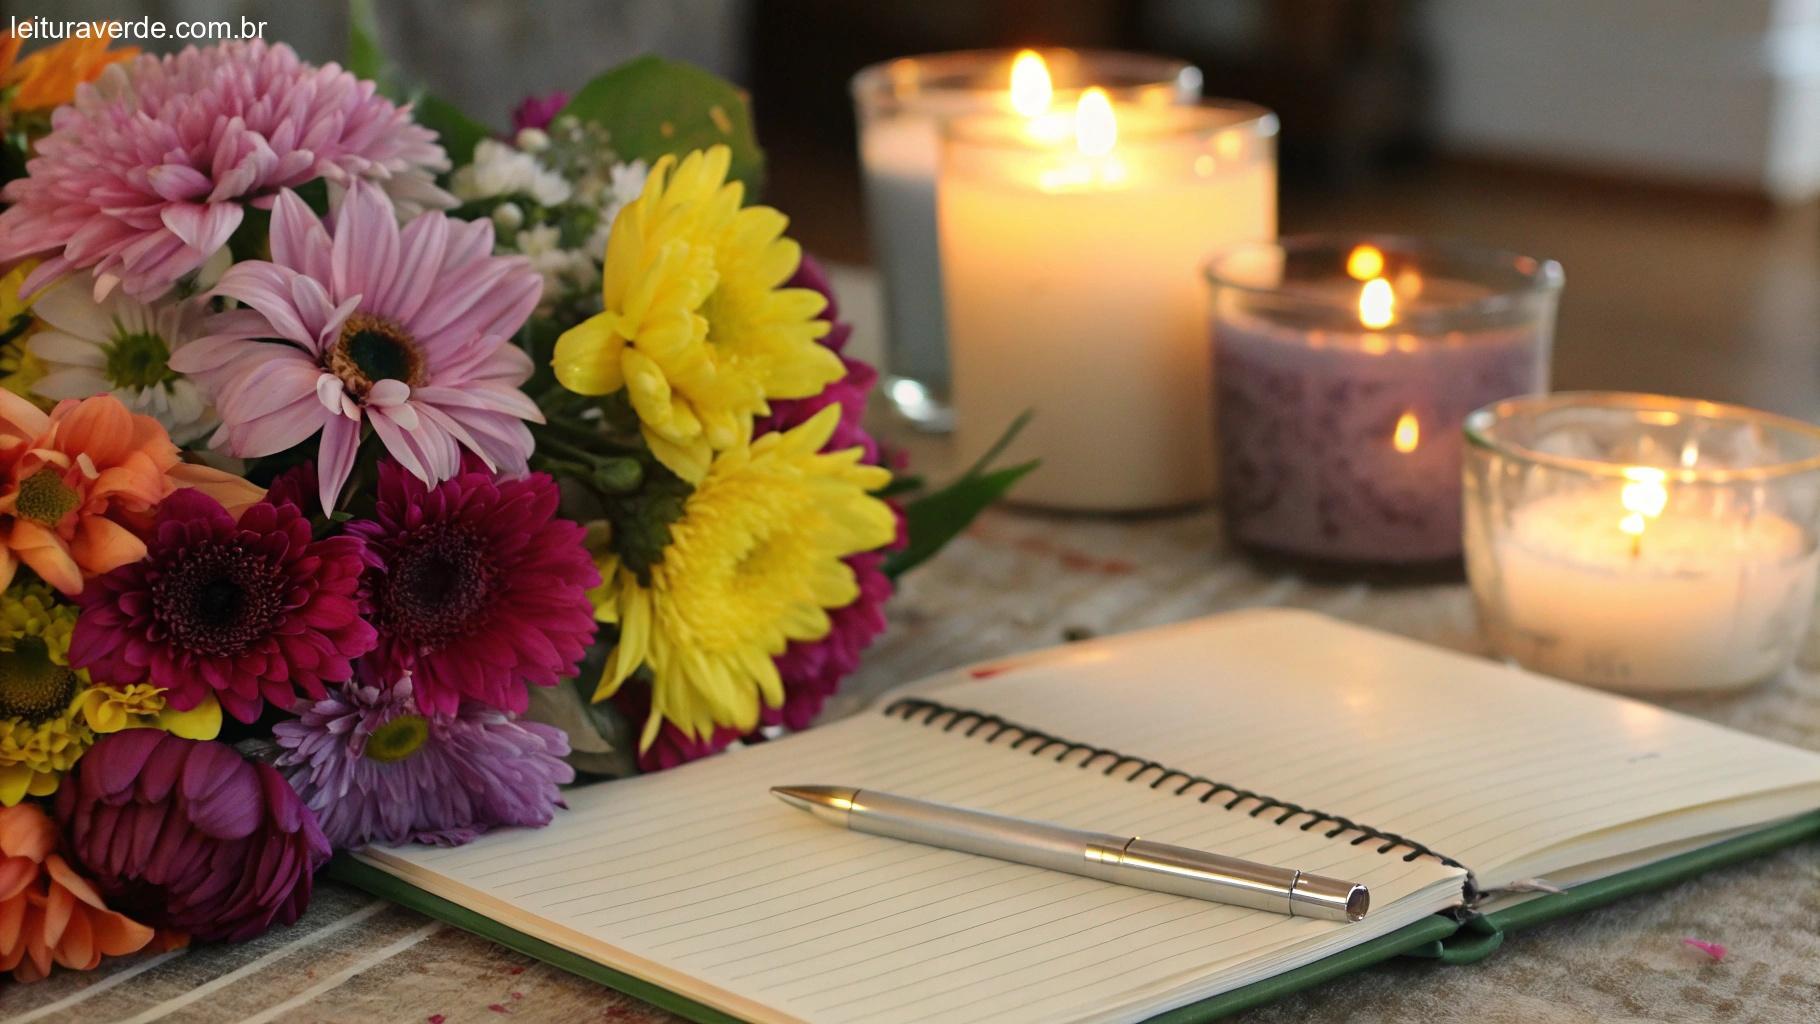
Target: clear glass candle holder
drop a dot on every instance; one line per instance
(1343, 367)
(901, 106)
(1640, 542)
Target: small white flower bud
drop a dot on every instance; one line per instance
(508, 217)
(532, 140)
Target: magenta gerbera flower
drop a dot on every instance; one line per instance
(481, 587)
(190, 836)
(408, 330)
(252, 611)
(147, 173)
(375, 769)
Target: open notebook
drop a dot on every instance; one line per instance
(1277, 736)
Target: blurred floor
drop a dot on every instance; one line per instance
(1715, 297)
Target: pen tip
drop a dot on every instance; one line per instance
(830, 803)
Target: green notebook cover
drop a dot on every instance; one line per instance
(1440, 937)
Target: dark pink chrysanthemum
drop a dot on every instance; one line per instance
(147, 173)
(189, 835)
(253, 611)
(538, 111)
(481, 588)
(408, 331)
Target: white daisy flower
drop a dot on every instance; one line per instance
(120, 346)
(499, 170)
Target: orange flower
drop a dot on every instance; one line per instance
(48, 78)
(75, 483)
(48, 913)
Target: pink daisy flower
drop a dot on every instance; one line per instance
(481, 589)
(147, 173)
(408, 330)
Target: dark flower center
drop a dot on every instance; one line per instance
(397, 739)
(139, 360)
(45, 498)
(372, 349)
(440, 580)
(218, 600)
(32, 686)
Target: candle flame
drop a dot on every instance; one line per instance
(1408, 433)
(1365, 263)
(1096, 130)
(1377, 304)
(1643, 496)
(1031, 90)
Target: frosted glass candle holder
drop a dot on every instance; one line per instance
(902, 105)
(1642, 543)
(1343, 368)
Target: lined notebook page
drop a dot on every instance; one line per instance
(1509, 773)
(701, 881)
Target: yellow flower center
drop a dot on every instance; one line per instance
(45, 498)
(372, 349)
(398, 739)
(32, 686)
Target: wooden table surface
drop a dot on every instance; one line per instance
(1015, 582)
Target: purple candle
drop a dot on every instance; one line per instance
(1343, 370)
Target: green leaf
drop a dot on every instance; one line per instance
(935, 520)
(651, 106)
(366, 58)
(459, 132)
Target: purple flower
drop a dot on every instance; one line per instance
(538, 111)
(189, 836)
(375, 769)
(150, 170)
(480, 588)
(252, 610)
(407, 330)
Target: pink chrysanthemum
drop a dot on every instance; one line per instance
(481, 590)
(147, 173)
(252, 611)
(408, 330)
(376, 770)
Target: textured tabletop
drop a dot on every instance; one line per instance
(1013, 583)
(1017, 582)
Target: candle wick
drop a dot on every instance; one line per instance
(1636, 545)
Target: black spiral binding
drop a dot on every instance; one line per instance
(1039, 742)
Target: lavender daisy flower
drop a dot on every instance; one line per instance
(376, 770)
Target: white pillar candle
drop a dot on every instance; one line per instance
(1071, 258)
(1642, 543)
(901, 106)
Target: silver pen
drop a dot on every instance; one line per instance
(1126, 860)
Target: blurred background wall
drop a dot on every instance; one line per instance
(1667, 152)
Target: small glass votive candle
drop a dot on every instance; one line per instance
(1343, 368)
(901, 106)
(1071, 255)
(1644, 543)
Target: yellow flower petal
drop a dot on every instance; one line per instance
(202, 722)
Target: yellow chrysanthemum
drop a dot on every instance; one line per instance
(19, 369)
(49, 77)
(754, 562)
(49, 712)
(697, 327)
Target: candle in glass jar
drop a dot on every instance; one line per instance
(901, 106)
(1343, 371)
(1639, 542)
(1601, 592)
(1069, 253)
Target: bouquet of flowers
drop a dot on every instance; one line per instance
(345, 447)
